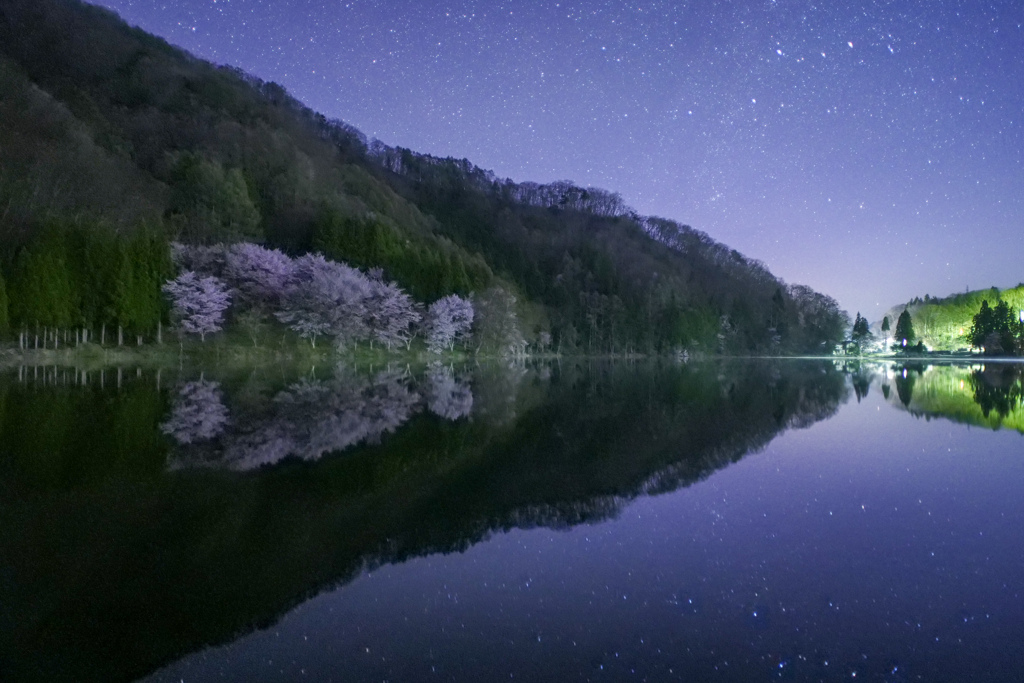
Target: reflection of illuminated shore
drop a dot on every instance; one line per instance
(982, 394)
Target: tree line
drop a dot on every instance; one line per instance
(85, 282)
(987, 320)
(80, 283)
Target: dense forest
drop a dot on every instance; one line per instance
(113, 144)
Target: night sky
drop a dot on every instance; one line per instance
(871, 150)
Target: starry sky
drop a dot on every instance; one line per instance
(873, 150)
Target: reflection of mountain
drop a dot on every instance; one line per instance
(987, 395)
(113, 565)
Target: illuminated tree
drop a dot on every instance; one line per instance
(904, 335)
(198, 303)
(449, 321)
(391, 313)
(257, 276)
(326, 298)
(992, 329)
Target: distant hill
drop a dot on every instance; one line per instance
(104, 124)
(942, 322)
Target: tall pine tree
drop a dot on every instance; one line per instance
(5, 322)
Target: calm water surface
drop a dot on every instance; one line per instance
(711, 522)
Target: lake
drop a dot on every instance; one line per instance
(565, 521)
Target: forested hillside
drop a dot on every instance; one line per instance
(965, 320)
(110, 139)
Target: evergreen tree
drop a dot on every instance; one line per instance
(994, 329)
(98, 265)
(41, 289)
(860, 332)
(5, 323)
(904, 336)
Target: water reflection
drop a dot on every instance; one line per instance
(199, 413)
(309, 418)
(988, 395)
(998, 388)
(156, 515)
(448, 396)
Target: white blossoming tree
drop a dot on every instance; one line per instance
(326, 298)
(258, 276)
(449, 321)
(198, 303)
(391, 314)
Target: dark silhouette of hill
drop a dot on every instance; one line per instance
(101, 123)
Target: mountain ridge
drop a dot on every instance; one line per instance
(105, 122)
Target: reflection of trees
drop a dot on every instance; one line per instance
(314, 417)
(905, 386)
(997, 389)
(989, 396)
(497, 390)
(199, 413)
(861, 378)
(228, 551)
(906, 376)
(447, 397)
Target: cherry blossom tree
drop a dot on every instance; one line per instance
(258, 276)
(326, 298)
(449, 321)
(198, 303)
(391, 314)
(201, 259)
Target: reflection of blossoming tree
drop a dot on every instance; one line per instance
(311, 419)
(447, 397)
(199, 413)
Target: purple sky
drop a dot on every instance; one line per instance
(872, 150)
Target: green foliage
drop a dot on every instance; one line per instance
(945, 323)
(5, 320)
(429, 268)
(211, 203)
(496, 323)
(996, 330)
(904, 334)
(41, 292)
(95, 270)
(87, 275)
